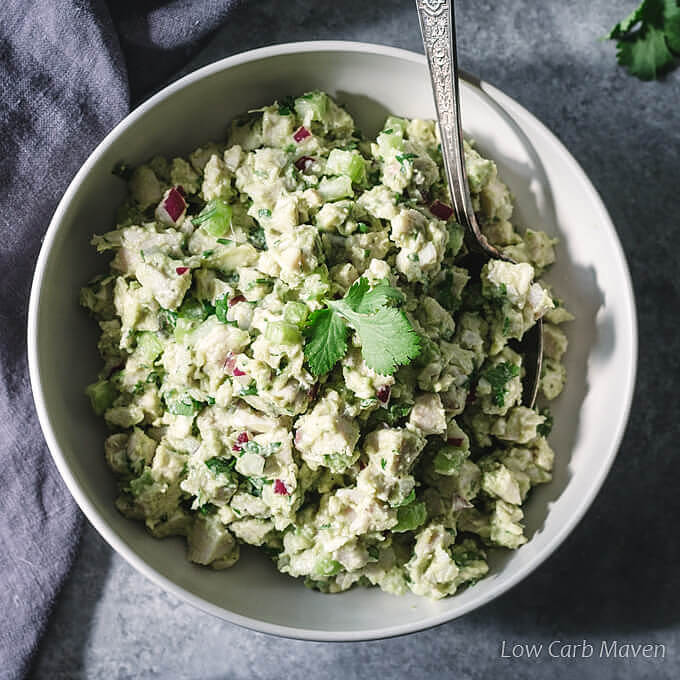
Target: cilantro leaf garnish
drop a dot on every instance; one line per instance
(363, 300)
(648, 39)
(326, 340)
(387, 337)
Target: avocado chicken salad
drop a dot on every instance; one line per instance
(296, 356)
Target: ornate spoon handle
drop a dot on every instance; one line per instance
(437, 25)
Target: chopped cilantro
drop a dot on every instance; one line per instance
(286, 106)
(374, 177)
(184, 406)
(648, 39)
(401, 157)
(391, 415)
(221, 308)
(208, 253)
(168, 320)
(249, 391)
(383, 463)
(225, 241)
(208, 509)
(220, 465)
(254, 485)
(498, 376)
(545, 428)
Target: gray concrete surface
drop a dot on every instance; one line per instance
(617, 576)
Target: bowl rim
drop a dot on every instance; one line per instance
(88, 507)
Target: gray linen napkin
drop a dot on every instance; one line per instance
(68, 72)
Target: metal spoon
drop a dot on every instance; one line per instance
(437, 26)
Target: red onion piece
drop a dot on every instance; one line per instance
(240, 440)
(280, 488)
(181, 270)
(236, 299)
(303, 163)
(229, 366)
(383, 394)
(455, 441)
(229, 363)
(298, 438)
(172, 207)
(441, 210)
(314, 390)
(301, 133)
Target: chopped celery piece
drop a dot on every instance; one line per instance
(348, 163)
(295, 312)
(327, 567)
(193, 309)
(215, 218)
(388, 143)
(282, 333)
(410, 517)
(149, 347)
(102, 393)
(138, 485)
(397, 125)
(334, 188)
(182, 328)
(449, 460)
(312, 106)
(456, 233)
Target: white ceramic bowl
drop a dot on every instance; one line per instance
(552, 193)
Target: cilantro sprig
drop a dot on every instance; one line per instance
(387, 338)
(648, 39)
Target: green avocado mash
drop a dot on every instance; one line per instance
(296, 356)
